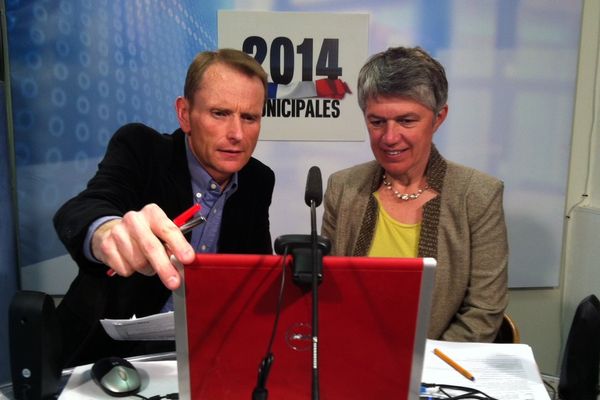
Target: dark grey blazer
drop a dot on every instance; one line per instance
(140, 167)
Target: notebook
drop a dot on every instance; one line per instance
(372, 322)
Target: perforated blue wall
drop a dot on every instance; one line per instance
(80, 69)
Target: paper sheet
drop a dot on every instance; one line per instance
(153, 327)
(503, 371)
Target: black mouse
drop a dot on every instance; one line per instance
(116, 376)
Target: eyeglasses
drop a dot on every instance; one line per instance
(433, 391)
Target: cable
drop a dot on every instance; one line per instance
(279, 301)
(170, 396)
(260, 392)
(551, 389)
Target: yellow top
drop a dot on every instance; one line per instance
(392, 238)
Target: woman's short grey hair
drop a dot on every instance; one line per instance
(404, 72)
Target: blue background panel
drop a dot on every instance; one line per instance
(81, 69)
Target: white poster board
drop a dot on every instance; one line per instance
(312, 60)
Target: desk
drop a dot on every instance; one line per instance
(157, 377)
(162, 365)
(503, 371)
(168, 371)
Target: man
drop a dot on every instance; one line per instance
(122, 221)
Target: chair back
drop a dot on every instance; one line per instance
(508, 332)
(580, 365)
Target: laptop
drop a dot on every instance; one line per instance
(372, 322)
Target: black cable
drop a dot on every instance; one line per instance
(170, 396)
(260, 392)
(279, 302)
(550, 389)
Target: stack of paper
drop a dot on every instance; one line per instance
(153, 327)
(502, 371)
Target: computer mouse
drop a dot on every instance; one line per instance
(116, 376)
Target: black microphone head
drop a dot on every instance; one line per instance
(314, 187)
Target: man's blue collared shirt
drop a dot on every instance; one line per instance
(210, 196)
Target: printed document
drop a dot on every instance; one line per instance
(153, 327)
(502, 371)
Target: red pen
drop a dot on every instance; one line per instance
(186, 215)
(185, 221)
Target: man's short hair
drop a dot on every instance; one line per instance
(236, 59)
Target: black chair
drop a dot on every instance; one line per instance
(581, 358)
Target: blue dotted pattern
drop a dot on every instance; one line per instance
(79, 70)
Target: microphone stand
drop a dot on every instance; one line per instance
(315, 301)
(307, 251)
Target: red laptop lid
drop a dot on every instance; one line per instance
(373, 315)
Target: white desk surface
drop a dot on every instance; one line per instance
(80, 385)
(159, 375)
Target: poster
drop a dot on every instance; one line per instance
(312, 60)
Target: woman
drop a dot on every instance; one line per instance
(411, 202)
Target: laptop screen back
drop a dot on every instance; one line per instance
(372, 322)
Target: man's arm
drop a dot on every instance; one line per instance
(140, 242)
(128, 178)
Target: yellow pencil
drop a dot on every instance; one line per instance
(453, 364)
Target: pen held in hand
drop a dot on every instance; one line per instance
(185, 221)
(185, 216)
(453, 364)
(191, 224)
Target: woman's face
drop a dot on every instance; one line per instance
(401, 131)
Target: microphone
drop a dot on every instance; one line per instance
(313, 197)
(308, 252)
(314, 188)
(301, 246)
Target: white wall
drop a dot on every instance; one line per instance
(545, 315)
(582, 233)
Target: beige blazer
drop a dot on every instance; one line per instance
(463, 229)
